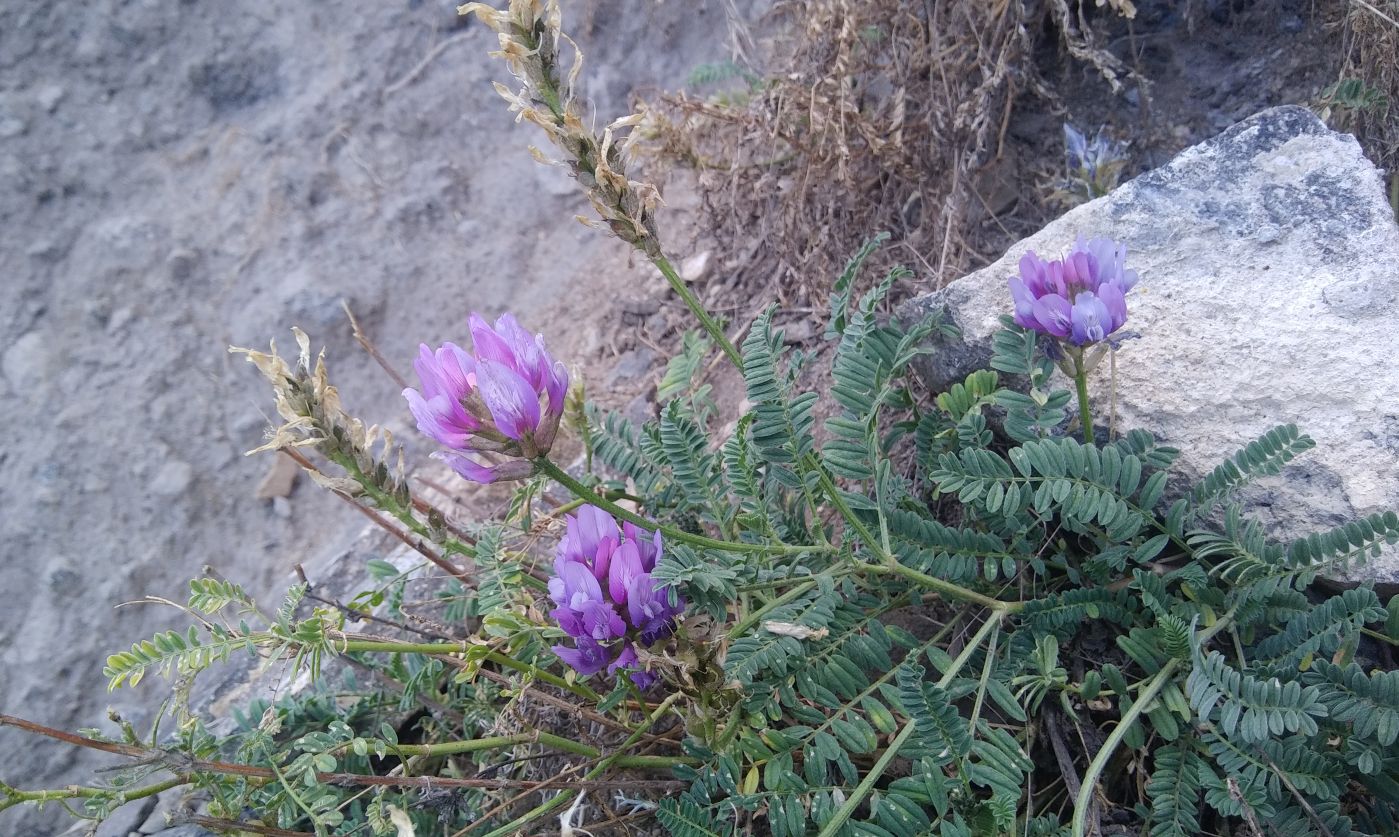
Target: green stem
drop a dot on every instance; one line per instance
(843, 507)
(10, 797)
(580, 490)
(945, 588)
(387, 502)
(697, 308)
(449, 748)
(614, 760)
(862, 790)
(548, 89)
(363, 645)
(891, 565)
(1085, 415)
(1084, 801)
(752, 619)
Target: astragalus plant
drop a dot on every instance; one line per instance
(856, 609)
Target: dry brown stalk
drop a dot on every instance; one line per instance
(870, 116)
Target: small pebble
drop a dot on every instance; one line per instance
(182, 263)
(695, 268)
(172, 478)
(49, 96)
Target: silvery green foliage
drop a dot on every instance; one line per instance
(984, 610)
(1269, 705)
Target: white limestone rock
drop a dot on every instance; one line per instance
(1269, 258)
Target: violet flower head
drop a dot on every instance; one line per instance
(606, 599)
(492, 409)
(1081, 298)
(586, 657)
(628, 662)
(590, 539)
(582, 610)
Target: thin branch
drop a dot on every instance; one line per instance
(413, 74)
(363, 339)
(422, 548)
(356, 615)
(215, 823)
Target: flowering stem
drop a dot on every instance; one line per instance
(387, 502)
(581, 491)
(752, 619)
(697, 308)
(505, 660)
(1085, 415)
(946, 588)
(890, 565)
(588, 153)
(497, 742)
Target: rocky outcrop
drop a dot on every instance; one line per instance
(1269, 258)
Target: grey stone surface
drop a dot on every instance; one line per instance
(1269, 259)
(127, 819)
(176, 181)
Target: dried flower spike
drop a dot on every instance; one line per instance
(529, 33)
(494, 410)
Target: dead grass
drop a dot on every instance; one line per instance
(872, 115)
(1370, 41)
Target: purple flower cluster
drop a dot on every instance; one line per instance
(1091, 158)
(503, 399)
(605, 598)
(1081, 298)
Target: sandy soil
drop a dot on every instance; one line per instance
(181, 176)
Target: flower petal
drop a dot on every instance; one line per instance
(490, 346)
(1032, 273)
(1090, 319)
(648, 545)
(587, 659)
(513, 404)
(457, 369)
(584, 533)
(1024, 303)
(527, 350)
(626, 566)
(468, 468)
(445, 422)
(1054, 313)
(1116, 303)
(556, 386)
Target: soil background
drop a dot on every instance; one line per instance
(185, 176)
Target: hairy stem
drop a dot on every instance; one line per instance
(944, 588)
(1148, 694)
(891, 566)
(391, 647)
(581, 491)
(10, 797)
(697, 308)
(448, 748)
(1085, 414)
(387, 502)
(752, 619)
(857, 796)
